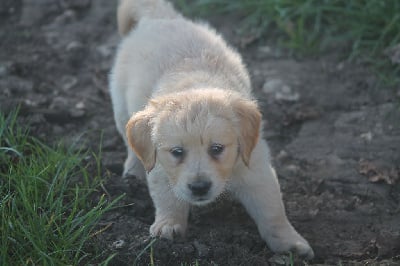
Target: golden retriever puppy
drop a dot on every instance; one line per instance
(183, 104)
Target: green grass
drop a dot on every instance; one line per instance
(363, 28)
(144, 251)
(49, 202)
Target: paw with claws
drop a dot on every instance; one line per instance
(290, 240)
(167, 228)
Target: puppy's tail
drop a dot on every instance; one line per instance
(131, 11)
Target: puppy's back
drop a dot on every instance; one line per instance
(166, 52)
(132, 11)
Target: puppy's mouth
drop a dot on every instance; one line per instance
(199, 201)
(193, 199)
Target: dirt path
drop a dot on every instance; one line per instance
(333, 129)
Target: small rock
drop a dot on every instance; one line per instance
(278, 259)
(282, 155)
(313, 213)
(118, 244)
(80, 105)
(3, 70)
(73, 46)
(68, 82)
(29, 103)
(59, 102)
(273, 85)
(280, 90)
(104, 51)
(366, 136)
(264, 52)
(340, 66)
(293, 168)
(64, 18)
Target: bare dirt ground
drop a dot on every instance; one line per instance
(334, 132)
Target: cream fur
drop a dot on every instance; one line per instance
(183, 105)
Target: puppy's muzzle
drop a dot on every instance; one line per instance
(200, 187)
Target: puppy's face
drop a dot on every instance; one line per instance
(198, 156)
(197, 138)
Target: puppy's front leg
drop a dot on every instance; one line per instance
(133, 166)
(258, 189)
(171, 213)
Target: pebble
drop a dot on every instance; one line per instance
(279, 259)
(282, 155)
(64, 18)
(3, 70)
(118, 244)
(80, 105)
(104, 50)
(280, 90)
(366, 136)
(73, 46)
(293, 168)
(68, 82)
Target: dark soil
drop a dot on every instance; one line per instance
(333, 128)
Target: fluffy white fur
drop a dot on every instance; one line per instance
(183, 105)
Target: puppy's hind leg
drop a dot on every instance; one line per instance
(171, 213)
(258, 190)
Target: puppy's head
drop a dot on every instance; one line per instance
(197, 137)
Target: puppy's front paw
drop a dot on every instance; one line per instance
(167, 228)
(290, 242)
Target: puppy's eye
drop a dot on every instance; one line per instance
(216, 149)
(177, 152)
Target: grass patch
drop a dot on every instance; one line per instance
(366, 28)
(48, 205)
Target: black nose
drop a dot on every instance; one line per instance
(200, 187)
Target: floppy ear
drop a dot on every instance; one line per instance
(138, 133)
(249, 122)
